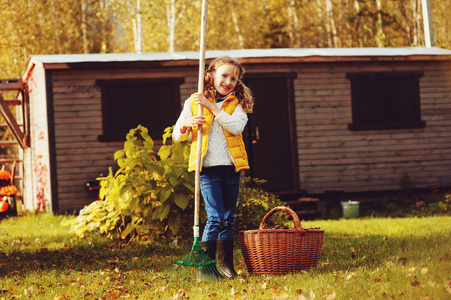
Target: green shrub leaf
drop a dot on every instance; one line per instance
(127, 230)
(163, 211)
(118, 154)
(181, 200)
(165, 193)
(164, 152)
(174, 223)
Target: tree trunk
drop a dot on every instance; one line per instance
(330, 26)
(83, 27)
(293, 24)
(139, 28)
(55, 28)
(356, 30)
(379, 31)
(171, 22)
(427, 20)
(319, 23)
(103, 21)
(237, 27)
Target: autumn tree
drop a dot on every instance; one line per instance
(106, 26)
(53, 27)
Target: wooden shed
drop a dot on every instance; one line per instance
(348, 119)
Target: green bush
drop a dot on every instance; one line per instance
(428, 208)
(254, 203)
(146, 196)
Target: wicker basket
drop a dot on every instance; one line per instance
(279, 251)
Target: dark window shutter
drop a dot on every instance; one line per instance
(385, 100)
(154, 104)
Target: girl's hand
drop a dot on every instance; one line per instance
(191, 122)
(199, 98)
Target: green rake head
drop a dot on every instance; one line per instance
(196, 265)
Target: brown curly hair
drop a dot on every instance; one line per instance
(242, 92)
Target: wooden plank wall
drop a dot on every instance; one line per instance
(78, 123)
(37, 155)
(331, 157)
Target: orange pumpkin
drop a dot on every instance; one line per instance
(5, 177)
(8, 190)
(3, 206)
(5, 174)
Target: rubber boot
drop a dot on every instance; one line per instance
(224, 251)
(209, 249)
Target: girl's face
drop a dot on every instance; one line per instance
(226, 79)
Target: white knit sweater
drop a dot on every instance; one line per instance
(217, 153)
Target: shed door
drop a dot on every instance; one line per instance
(270, 133)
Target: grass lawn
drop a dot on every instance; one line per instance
(368, 258)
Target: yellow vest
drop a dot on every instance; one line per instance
(235, 143)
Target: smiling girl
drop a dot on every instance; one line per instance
(225, 102)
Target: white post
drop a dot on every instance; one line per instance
(427, 23)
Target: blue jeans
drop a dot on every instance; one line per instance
(219, 186)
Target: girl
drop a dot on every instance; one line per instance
(225, 102)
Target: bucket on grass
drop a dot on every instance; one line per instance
(350, 209)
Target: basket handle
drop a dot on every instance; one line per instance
(293, 215)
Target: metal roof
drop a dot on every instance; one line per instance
(250, 56)
(244, 53)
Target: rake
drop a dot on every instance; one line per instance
(197, 265)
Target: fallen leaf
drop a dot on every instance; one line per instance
(415, 283)
(402, 260)
(331, 296)
(351, 275)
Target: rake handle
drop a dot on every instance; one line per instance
(200, 89)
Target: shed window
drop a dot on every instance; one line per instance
(154, 104)
(385, 100)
